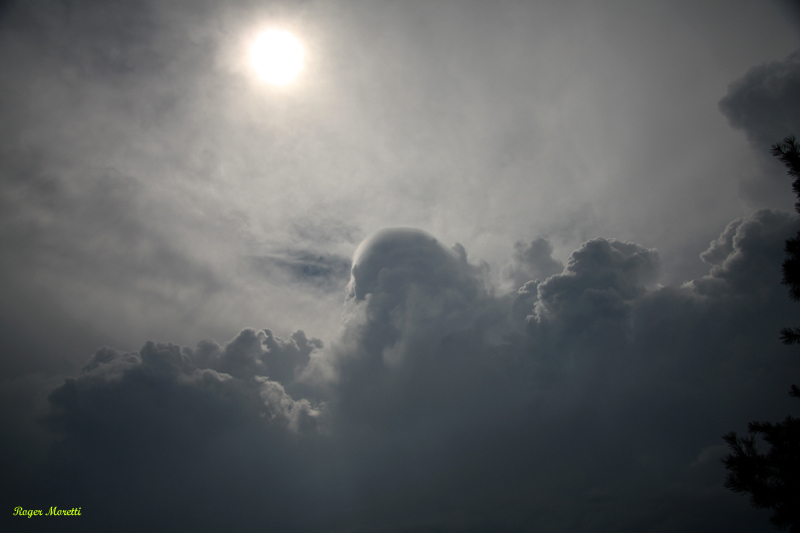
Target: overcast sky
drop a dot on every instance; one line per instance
(483, 266)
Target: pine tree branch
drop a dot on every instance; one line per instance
(790, 336)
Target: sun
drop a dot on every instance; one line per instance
(277, 56)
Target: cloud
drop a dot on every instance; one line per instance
(602, 272)
(322, 270)
(130, 378)
(764, 103)
(748, 254)
(592, 298)
(406, 286)
(150, 437)
(149, 190)
(612, 398)
(532, 261)
(259, 353)
(631, 382)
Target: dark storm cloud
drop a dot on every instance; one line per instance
(764, 102)
(259, 353)
(160, 433)
(600, 279)
(420, 420)
(616, 383)
(747, 255)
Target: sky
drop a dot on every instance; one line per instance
(482, 266)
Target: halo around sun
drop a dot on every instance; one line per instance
(277, 56)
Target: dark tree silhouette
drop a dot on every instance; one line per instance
(773, 479)
(788, 151)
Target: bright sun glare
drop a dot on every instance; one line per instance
(277, 57)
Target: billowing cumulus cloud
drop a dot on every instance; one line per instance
(532, 261)
(406, 286)
(259, 353)
(764, 101)
(599, 282)
(601, 409)
(748, 249)
(156, 437)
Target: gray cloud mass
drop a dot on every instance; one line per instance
(600, 414)
(763, 103)
(500, 267)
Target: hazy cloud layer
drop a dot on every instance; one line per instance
(323, 271)
(549, 354)
(142, 162)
